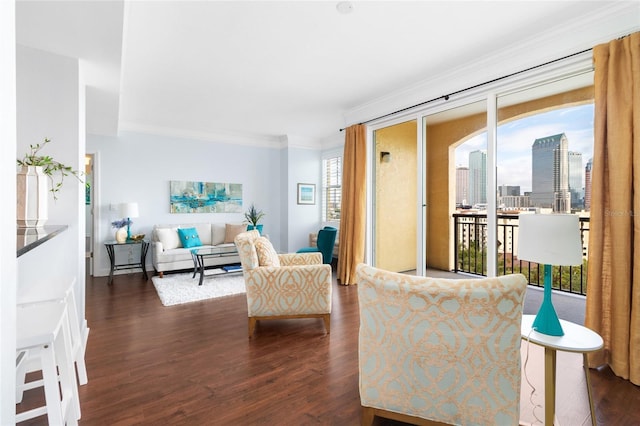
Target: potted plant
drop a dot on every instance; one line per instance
(50, 167)
(253, 216)
(35, 169)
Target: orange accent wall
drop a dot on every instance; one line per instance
(396, 197)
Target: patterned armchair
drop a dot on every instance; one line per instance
(281, 286)
(439, 350)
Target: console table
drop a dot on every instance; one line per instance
(111, 246)
(576, 339)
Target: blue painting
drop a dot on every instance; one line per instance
(205, 197)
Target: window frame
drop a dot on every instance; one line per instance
(333, 187)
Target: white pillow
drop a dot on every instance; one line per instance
(169, 238)
(218, 231)
(204, 232)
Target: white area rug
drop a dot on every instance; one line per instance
(175, 289)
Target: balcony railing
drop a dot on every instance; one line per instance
(470, 234)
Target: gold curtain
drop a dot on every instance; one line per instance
(353, 207)
(613, 291)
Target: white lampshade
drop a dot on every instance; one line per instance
(549, 239)
(129, 209)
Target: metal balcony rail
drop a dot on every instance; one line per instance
(470, 235)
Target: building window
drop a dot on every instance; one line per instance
(331, 188)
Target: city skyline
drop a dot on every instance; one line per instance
(515, 139)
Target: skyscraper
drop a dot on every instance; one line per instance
(508, 190)
(477, 177)
(587, 185)
(462, 185)
(575, 180)
(550, 173)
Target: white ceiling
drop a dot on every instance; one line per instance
(260, 70)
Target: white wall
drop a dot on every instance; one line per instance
(135, 167)
(7, 215)
(50, 103)
(304, 166)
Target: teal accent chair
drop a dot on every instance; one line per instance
(326, 241)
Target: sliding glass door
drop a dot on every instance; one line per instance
(455, 145)
(544, 147)
(439, 202)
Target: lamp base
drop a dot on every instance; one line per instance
(547, 321)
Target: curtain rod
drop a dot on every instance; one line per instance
(446, 97)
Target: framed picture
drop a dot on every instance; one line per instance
(306, 193)
(204, 197)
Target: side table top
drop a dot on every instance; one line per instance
(115, 243)
(577, 338)
(215, 251)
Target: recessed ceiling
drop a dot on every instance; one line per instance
(266, 69)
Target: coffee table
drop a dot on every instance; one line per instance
(200, 254)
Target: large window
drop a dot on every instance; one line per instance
(331, 188)
(543, 147)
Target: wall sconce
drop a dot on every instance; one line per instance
(385, 157)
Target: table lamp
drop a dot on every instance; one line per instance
(129, 210)
(549, 239)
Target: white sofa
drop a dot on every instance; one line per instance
(170, 255)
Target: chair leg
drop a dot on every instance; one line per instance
(50, 377)
(68, 384)
(81, 366)
(77, 341)
(21, 374)
(367, 416)
(327, 322)
(252, 326)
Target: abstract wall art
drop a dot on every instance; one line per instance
(205, 197)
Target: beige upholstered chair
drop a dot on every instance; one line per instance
(280, 286)
(438, 350)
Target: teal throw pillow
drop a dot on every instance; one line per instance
(189, 237)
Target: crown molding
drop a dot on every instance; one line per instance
(237, 138)
(602, 24)
(299, 142)
(335, 140)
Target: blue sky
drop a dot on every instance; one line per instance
(516, 137)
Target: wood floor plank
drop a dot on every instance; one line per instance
(194, 365)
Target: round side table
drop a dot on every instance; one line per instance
(576, 339)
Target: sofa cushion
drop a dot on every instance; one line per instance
(168, 237)
(231, 231)
(189, 237)
(267, 255)
(217, 233)
(204, 232)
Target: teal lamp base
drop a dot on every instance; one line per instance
(547, 321)
(128, 229)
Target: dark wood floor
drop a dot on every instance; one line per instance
(194, 365)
